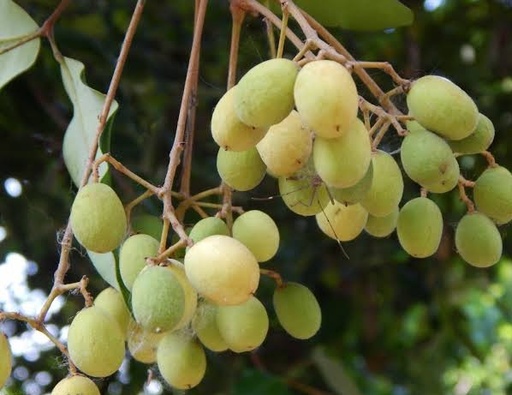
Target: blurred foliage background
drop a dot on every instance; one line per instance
(392, 324)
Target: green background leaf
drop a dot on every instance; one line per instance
(14, 24)
(105, 264)
(360, 14)
(80, 134)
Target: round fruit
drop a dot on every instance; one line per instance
(97, 218)
(382, 226)
(205, 327)
(258, 232)
(355, 193)
(264, 95)
(343, 161)
(387, 186)
(222, 269)
(190, 307)
(420, 227)
(297, 310)
(76, 385)
(111, 302)
(341, 222)
(326, 98)
(133, 254)
(242, 170)
(181, 360)
(142, 343)
(478, 141)
(428, 160)
(147, 224)
(158, 299)
(243, 327)
(478, 240)
(95, 342)
(303, 194)
(442, 107)
(208, 227)
(287, 146)
(5, 359)
(228, 131)
(493, 194)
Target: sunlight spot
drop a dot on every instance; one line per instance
(13, 187)
(432, 5)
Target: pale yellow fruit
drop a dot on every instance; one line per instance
(97, 218)
(304, 194)
(111, 301)
(442, 107)
(342, 222)
(243, 327)
(228, 131)
(355, 193)
(478, 141)
(287, 146)
(478, 240)
(95, 342)
(133, 254)
(264, 95)
(5, 359)
(326, 98)
(181, 360)
(178, 270)
(76, 385)
(382, 226)
(205, 327)
(242, 170)
(222, 269)
(342, 162)
(387, 186)
(493, 194)
(258, 232)
(143, 343)
(158, 299)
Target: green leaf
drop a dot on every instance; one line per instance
(15, 24)
(105, 265)
(81, 132)
(359, 14)
(255, 382)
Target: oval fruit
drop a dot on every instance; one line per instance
(178, 269)
(341, 222)
(133, 254)
(111, 302)
(355, 193)
(208, 227)
(420, 227)
(478, 141)
(382, 226)
(304, 194)
(97, 218)
(493, 194)
(76, 385)
(143, 343)
(242, 170)
(5, 359)
(205, 327)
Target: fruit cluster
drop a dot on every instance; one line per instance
(301, 126)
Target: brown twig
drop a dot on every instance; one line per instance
(463, 183)
(237, 18)
(273, 275)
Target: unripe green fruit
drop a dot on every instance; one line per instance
(297, 310)
(355, 193)
(420, 227)
(143, 343)
(264, 95)
(228, 131)
(222, 269)
(5, 359)
(387, 186)
(208, 227)
(326, 98)
(76, 385)
(190, 293)
(478, 141)
(428, 160)
(243, 327)
(343, 161)
(242, 170)
(147, 224)
(111, 302)
(258, 232)
(95, 342)
(442, 107)
(302, 194)
(205, 327)
(493, 194)
(341, 222)
(382, 226)
(133, 254)
(97, 218)
(478, 240)
(158, 299)
(181, 360)
(287, 146)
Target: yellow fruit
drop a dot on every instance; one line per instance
(5, 359)
(76, 385)
(326, 98)
(442, 107)
(264, 95)
(143, 343)
(342, 222)
(111, 301)
(382, 226)
(205, 327)
(97, 218)
(222, 270)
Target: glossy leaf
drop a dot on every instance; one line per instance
(15, 24)
(360, 14)
(105, 265)
(81, 131)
